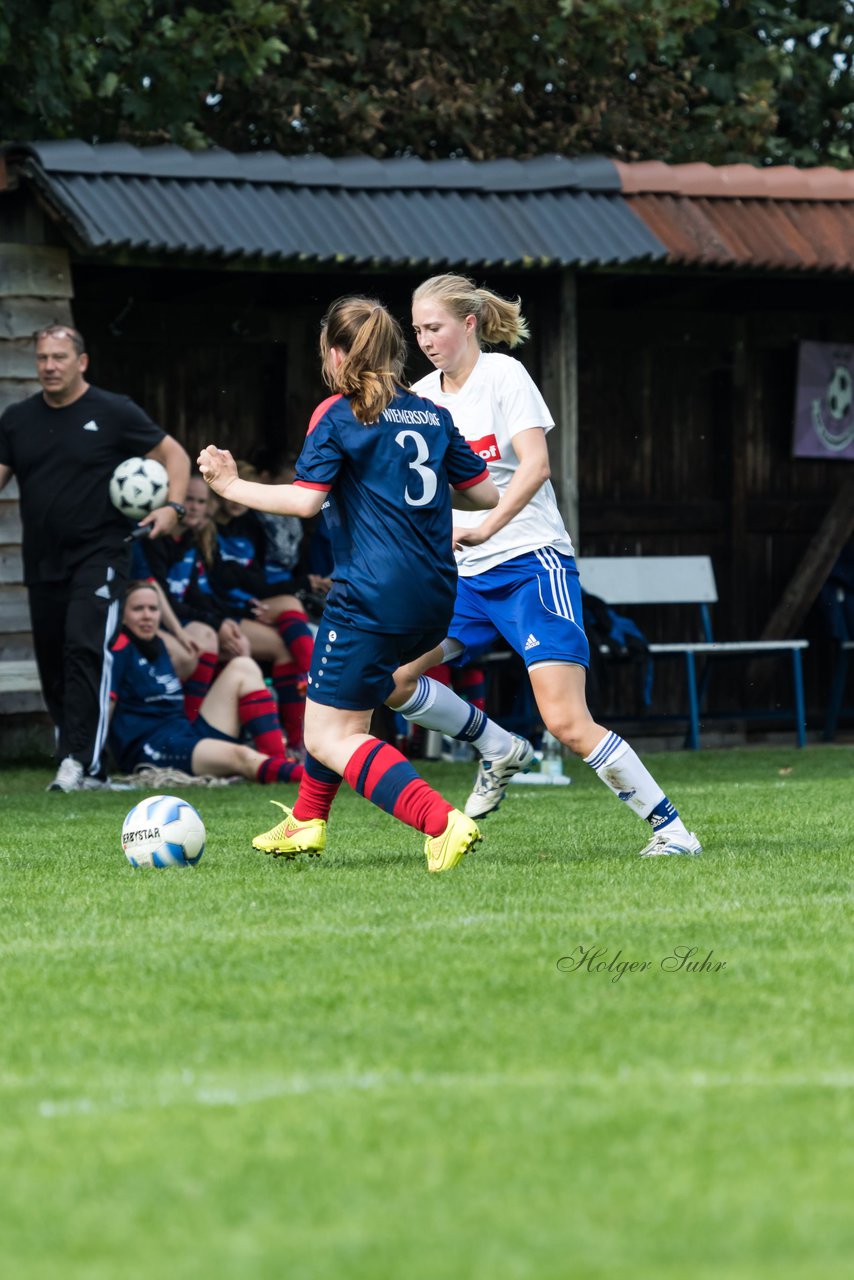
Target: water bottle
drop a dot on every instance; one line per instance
(551, 763)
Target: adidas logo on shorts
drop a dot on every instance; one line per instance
(532, 643)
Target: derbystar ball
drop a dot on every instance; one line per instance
(163, 831)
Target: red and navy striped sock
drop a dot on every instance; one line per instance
(196, 687)
(292, 626)
(291, 683)
(317, 790)
(277, 769)
(260, 719)
(382, 775)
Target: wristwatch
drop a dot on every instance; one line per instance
(179, 507)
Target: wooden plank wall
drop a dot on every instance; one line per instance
(686, 411)
(35, 289)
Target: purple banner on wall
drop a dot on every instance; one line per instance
(824, 413)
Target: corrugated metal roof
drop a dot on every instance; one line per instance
(737, 216)
(779, 235)
(735, 181)
(550, 211)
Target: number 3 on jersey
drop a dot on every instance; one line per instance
(427, 477)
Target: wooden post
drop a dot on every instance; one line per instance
(816, 563)
(560, 389)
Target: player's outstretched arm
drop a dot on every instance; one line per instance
(219, 470)
(479, 497)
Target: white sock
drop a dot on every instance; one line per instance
(435, 706)
(624, 773)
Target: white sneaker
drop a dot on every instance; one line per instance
(664, 846)
(69, 776)
(493, 777)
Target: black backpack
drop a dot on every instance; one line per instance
(613, 638)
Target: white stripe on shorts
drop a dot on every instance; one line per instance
(561, 602)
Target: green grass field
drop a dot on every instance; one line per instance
(349, 1068)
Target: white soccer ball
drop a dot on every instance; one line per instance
(138, 486)
(163, 831)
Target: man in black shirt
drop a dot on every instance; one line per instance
(63, 445)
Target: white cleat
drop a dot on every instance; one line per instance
(664, 846)
(493, 777)
(69, 776)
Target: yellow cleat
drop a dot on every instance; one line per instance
(292, 836)
(459, 837)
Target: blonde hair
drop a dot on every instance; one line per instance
(205, 540)
(498, 319)
(373, 348)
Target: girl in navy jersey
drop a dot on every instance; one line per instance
(379, 460)
(517, 569)
(149, 724)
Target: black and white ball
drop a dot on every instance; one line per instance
(138, 486)
(163, 831)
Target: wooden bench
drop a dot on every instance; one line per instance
(688, 580)
(843, 648)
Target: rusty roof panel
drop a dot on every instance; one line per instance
(735, 181)
(769, 234)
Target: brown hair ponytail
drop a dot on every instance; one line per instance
(373, 352)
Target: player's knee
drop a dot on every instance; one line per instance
(313, 742)
(203, 635)
(571, 728)
(404, 687)
(245, 668)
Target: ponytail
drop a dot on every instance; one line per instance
(373, 352)
(498, 319)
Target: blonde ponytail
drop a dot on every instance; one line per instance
(498, 319)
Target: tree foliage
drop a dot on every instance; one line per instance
(761, 81)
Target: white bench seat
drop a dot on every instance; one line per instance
(730, 646)
(687, 580)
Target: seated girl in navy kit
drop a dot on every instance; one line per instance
(149, 724)
(379, 460)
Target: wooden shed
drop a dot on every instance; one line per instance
(666, 324)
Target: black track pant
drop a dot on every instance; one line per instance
(73, 624)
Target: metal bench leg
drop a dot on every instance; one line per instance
(693, 739)
(837, 689)
(800, 710)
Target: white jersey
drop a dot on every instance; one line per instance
(498, 400)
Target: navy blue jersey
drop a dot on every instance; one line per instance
(146, 694)
(389, 509)
(177, 565)
(237, 576)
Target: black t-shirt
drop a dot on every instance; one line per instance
(63, 460)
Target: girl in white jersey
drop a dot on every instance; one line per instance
(517, 572)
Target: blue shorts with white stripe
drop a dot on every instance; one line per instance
(533, 601)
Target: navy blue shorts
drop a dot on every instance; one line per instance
(172, 746)
(354, 669)
(533, 601)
